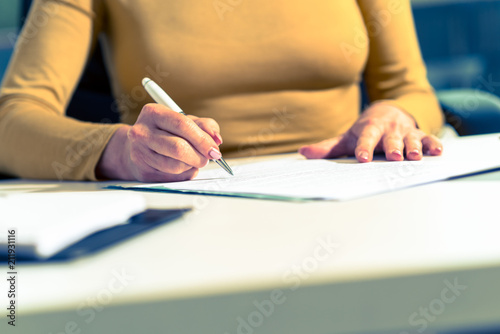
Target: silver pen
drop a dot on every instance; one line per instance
(161, 97)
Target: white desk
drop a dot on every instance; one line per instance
(206, 272)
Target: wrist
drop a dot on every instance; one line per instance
(113, 163)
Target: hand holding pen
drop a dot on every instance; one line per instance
(163, 145)
(162, 98)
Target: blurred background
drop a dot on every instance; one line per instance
(10, 15)
(460, 40)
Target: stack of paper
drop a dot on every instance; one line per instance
(46, 223)
(341, 179)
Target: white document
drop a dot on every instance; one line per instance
(341, 179)
(46, 223)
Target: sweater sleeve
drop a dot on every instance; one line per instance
(37, 140)
(395, 71)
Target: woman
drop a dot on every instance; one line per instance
(275, 75)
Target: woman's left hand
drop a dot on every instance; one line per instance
(380, 128)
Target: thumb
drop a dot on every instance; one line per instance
(329, 148)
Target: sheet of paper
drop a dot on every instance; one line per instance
(341, 179)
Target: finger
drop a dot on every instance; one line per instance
(165, 164)
(329, 148)
(413, 145)
(144, 167)
(169, 145)
(367, 141)
(393, 147)
(432, 145)
(150, 174)
(181, 126)
(211, 127)
(193, 117)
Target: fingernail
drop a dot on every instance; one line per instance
(414, 152)
(218, 138)
(363, 155)
(397, 152)
(214, 154)
(439, 149)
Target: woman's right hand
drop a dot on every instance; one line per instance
(162, 146)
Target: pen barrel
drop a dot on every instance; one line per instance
(160, 96)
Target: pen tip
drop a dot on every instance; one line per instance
(228, 169)
(221, 162)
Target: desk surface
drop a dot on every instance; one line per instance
(423, 258)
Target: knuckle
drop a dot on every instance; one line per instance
(179, 149)
(148, 109)
(153, 112)
(137, 133)
(373, 127)
(181, 122)
(370, 121)
(392, 125)
(201, 122)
